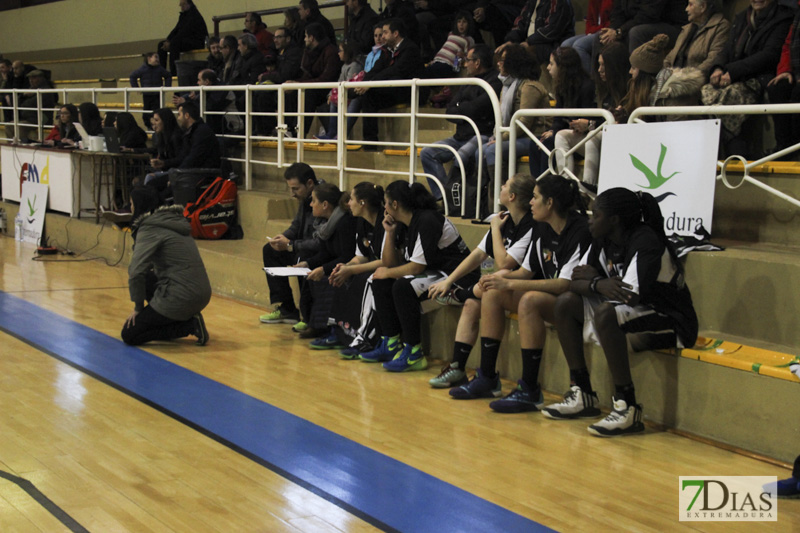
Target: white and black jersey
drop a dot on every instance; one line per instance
(370, 239)
(516, 238)
(551, 255)
(432, 240)
(645, 264)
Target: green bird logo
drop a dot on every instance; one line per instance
(654, 179)
(31, 209)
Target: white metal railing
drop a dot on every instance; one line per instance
(342, 165)
(717, 110)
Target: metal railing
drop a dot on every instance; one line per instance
(712, 111)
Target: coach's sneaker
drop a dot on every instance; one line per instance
(479, 387)
(386, 350)
(450, 376)
(200, 330)
(576, 404)
(410, 358)
(281, 316)
(521, 400)
(622, 420)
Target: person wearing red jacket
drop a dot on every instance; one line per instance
(784, 88)
(598, 16)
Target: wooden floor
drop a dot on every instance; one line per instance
(103, 460)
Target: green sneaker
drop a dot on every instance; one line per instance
(300, 327)
(280, 316)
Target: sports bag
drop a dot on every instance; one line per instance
(214, 212)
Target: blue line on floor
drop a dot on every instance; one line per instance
(378, 489)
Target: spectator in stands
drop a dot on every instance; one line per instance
(542, 27)
(598, 16)
(251, 63)
(295, 244)
(403, 63)
(613, 73)
(20, 79)
(320, 63)
(434, 249)
(67, 134)
(506, 243)
(188, 34)
(635, 22)
(359, 27)
(167, 272)
(89, 117)
(646, 62)
(167, 142)
(404, 11)
(254, 26)
(286, 66)
(521, 90)
(199, 146)
(6, 81)
(435, 20)
(337, 242)
(702, 40)
(132, 138)
(216, 101)
(560, 237)
(352, 67)
(293, 24)
(310, 14)
(573, 89)
(497, 16)
(448, 60)
(354, 304)
(215, 60)
(629, 287)
(109, 117)
(230, 54)
(747, 64)
(37, 79)
(471, 101)
(784, 88)
(151, 74)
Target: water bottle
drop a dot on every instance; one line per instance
(487, 267)
(457, 64)
(18, 227)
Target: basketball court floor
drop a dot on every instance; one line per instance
(255, 432)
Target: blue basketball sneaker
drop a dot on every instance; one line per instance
(407, 360)
(386, 350)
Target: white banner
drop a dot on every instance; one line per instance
(32, 207)
(54, 168)
(676, 162)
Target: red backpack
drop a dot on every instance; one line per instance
(214, 212)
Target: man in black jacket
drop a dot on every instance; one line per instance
(474, 102)
(403, 10)
(188, 34)
(310, 14)
(295, 244)
(200, 148)
(403, 62)
(359, 28)
(286, 67)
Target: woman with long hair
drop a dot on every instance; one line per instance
(293, 24)
(629, 287)
(89, 117)
(560, 236)
(337, 241)
(572, 89)
(131, 136)
(354, 304)
(167, 140)
(67, 134)
(646, 62)
(521, 90)
(506, 243)
(613, 73)
(432, 249)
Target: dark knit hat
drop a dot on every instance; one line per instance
(145, 199)
(650, 56)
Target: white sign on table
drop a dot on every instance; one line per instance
(676, 162)
(32, 207)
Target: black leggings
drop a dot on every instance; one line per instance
(398, 309)
(150, 325)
